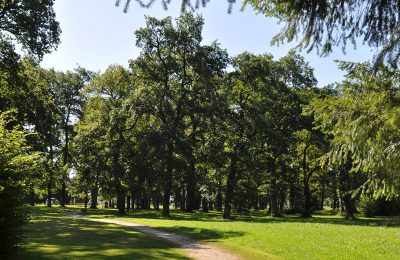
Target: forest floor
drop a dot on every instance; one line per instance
(53, 235)
(257, 236)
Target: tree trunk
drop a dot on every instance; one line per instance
(307, 198)
(86, 200)
(63, 193)
(345, 187)
(63, 198)
(230, 186)
(128, 203)
(120, 199)
(49, 194)
(204, 204)
(306, 181)
(32, 197)
(168, 179)
(218, 199)
(322, 198)
(191, 183)
(94, 192)
(275, 212)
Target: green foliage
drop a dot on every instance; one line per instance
(367, 205)
(17, 161)
(324, 24)
(32, 23)
(363, 120)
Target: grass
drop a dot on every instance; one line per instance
(53, 235)
(325, 236)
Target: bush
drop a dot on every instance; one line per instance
(367, 205)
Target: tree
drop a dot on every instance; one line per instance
(324, 24)
(89, 150)
(66, 90)
(114, 87)
(31, 23)
(362, 121)
(17, 161)
(171, 62)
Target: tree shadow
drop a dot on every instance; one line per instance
(321, 217)
(52, 235)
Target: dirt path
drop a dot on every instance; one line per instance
(194, 248)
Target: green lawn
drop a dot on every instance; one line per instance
(53, 235)
(325, 236)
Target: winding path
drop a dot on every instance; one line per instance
(194, 248)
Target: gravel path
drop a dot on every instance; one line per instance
(194, 248)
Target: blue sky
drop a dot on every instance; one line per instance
(97, 34)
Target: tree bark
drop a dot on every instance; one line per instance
(275, 212)
(230, 186)
(120, 198)
(218, 199)
(94, 192)
(204, 204)
(168, 179)
(32, 198)
(49, 194)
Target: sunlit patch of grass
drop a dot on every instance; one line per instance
(325, 236)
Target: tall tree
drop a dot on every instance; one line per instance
(66, 89)
(172, 59)
(114, 86)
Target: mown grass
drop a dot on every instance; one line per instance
(52, 234)
(325, 236)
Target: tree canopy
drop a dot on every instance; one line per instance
(325, 24)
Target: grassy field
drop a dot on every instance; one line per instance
(325, 236)
(53, 235)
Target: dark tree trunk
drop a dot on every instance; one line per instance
(191, 183)
(120, 199)
(177, 198)
(32, 198)
(86, 200)
(63, 193)
(322, 198)
(168, 179)
(218, 199)
(307, 198)
(345, 187)
(275, 212)
(204, 205)
(49, 193)
(94, 192)
(128, 203)
(230, 186)
(183, 197)
(138, 204)
(63, 198)
(306, 181)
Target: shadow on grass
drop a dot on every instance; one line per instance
(52, 235)
(320, 217)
